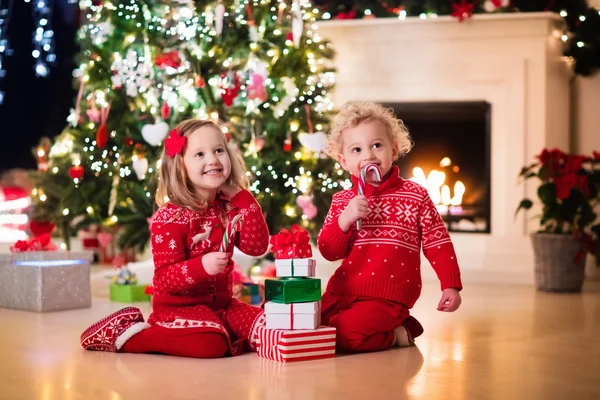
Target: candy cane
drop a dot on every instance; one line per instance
(362, 181)
(233, 226)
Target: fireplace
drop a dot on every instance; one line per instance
(451, 159)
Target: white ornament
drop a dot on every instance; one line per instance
(154, 134)
(219, 15)
(73, 118)
(290, 91)
(132, 73)
(297, 23)
(140, 166)
(101, 32)
(313, 141)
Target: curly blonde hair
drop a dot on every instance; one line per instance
(354, 113)
(174, 185)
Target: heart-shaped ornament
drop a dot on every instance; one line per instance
(140, 166)
(154, 134)
(313, 141)
(104, 239)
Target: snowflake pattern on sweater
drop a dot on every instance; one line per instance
(383, 259)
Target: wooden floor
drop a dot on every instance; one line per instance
(504, 343)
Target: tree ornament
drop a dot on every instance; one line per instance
(154, 134)
(140, 166)
(76, 172)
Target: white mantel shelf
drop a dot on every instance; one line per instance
(512, 61)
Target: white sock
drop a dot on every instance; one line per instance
(401, 337)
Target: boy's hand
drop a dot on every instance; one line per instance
(228, 191)
(357, 208)
(450, 300)
(215, 262)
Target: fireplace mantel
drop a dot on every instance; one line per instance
(513, 61)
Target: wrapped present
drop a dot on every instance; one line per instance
(293, 315)
(292, 290)
(296, 267)
(289, 346)
(291, 244)
(45, 280)
(128, 293)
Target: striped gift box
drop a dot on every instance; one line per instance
(290, 346)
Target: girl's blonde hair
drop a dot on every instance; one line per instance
(174, 185)
(354, 113)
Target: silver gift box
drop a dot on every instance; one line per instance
(45, 280)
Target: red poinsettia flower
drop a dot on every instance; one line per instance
(582, 184)
(175, 143)
(574, 163)
(564, 184)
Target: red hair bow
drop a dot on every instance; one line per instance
(175, 143)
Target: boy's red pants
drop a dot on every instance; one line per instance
(363, 323)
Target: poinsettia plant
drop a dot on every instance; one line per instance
(570, 193)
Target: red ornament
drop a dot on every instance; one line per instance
(231, 90)
(290, 36)
(287, 144)
(76, 172)
(462, 10)
(200, 82)
(165, 111)
(40, 228)
(102, 136)
(168, 59)
(128, 141)
(174, 143)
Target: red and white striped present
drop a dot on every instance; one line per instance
(288, 346)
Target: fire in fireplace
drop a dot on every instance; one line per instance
(451, 159)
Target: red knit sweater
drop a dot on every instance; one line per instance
(383, 259)
(180, 237)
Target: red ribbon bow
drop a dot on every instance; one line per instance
(175, 143)
(37, 243)
(285, 238)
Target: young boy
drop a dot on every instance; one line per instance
(369, 296)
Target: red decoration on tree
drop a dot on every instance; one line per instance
(462, 10)
(165, 111)
(102, 136)
(40, 228)
(175, 143)
(128, 141)
(168, 59)
(200, 82)
(287, 144)
(76, 172)
(231, 89)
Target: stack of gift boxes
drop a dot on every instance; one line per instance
(293, 330)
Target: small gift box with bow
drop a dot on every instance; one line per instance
(289, 346)
(291, 244)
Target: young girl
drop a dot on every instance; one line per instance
(369, 297)
(201, 187)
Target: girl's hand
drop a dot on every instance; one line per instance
(215, 262)
(450, 300)
(357, 208)
(228, 191)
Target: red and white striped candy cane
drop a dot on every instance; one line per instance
(234, 225)
(362, 181)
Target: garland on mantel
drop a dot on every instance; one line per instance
(582, 38)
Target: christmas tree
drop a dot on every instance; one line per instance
(260, 67)
(583, 21)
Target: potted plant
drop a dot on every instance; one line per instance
(569, 193)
